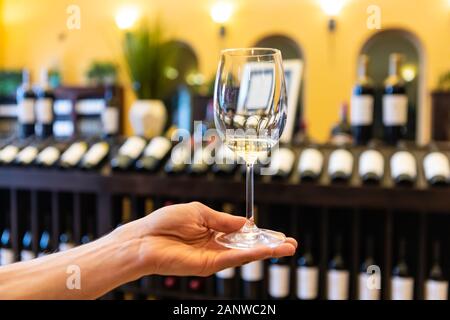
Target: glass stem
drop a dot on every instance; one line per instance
(250, 224)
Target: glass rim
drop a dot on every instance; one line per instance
(251, 52)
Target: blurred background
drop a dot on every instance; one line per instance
(91, 91)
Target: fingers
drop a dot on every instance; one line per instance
(220, 221)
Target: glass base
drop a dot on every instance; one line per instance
(249, 240)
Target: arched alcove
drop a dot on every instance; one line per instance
(378, 47)
(290, 50)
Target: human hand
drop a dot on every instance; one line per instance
(179, 240)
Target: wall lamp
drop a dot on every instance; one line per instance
(221, 12)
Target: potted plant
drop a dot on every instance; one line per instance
(101, 73)
(148, 56)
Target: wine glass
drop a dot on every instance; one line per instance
(249, 115)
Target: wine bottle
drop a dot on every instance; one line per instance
(307, 273)
(66, 240)
(154, 154)
(44, 107)
(340, 165)
(362, 104)
(50, 155)
(395, 102)
(279, 278)
(225, 283)
(282, 163)
(128, 153)
(436, 168)
(73, 155)
(6, 251)
(95, 156)
(310, 164)
(45, 238)
(436, 287)
(341, 133)
(26, 99)
(9, 153)
(252, 279)
(110, 113)
(28, 155)
(27, 252)
(367, 289)
(338, 275)
(179, 158)
(225, 163)
(403, 168)
(371, 166)
(402, 283)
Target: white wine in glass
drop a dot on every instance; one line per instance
(250, 115)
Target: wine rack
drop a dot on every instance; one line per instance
(419, 214)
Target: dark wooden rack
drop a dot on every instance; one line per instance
(419, 213)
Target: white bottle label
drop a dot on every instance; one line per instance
(436, 164)
(371, 161)
(26, 255)
(226, 273)
(337, 284)
(307, 283)
(66, 246)
(8, 153)
(27, 155)
(282, 160)
(279, 281)
(395, 109)
(158, 148)
(181, 154)
(110, 120)
(253, 271)
(44, 110)
(25, 111)
(365, 291)
(48, 156)
(403, 163)
(361, 113)
(341, 160)
(311, 160)
(133, 147)
(74, 154)
(436, 290)
(402, 288)
(96, 153)
(6, 256)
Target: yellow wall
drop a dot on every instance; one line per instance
(32, 31)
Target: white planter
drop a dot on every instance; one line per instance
(148, 117)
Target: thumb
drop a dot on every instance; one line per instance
(220, 221)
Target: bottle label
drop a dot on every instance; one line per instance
(44, 110)
(402, 288)
(181, 154)
(65, 246)
(436, 290)
(25, 111)
(132, 147)
(403, 163)
(253, 271)
(361, 113)
(279, 280)
(341, 160)
(337, 287)
(371, 161)
(74, 154)
(26, 255)
(226, 273)
(366, 292)
(6, 256)
(436, 164)
(282, 160)
(307, 283)
(158, 148)
(311, 160)
(48, 156)
(27, 155)
(96, 153)
(9, 153)
(110, 120)
(395, 109)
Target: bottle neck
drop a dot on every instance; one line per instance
(402, 251)
(394, 66)
(436, 253)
